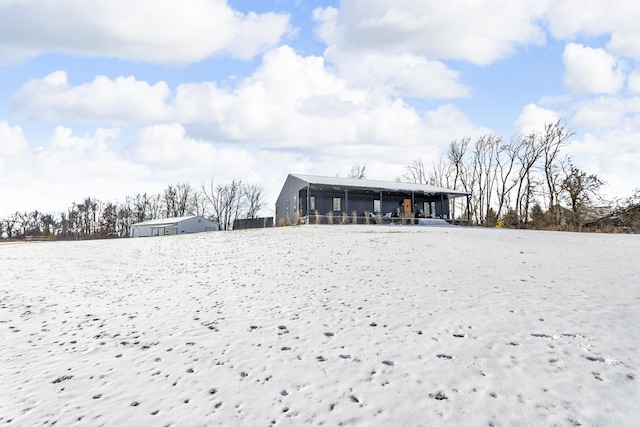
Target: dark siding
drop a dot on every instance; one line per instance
(287, 202)
(294, 198)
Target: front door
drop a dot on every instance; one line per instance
(407, 208)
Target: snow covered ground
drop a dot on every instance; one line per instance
(323, 325)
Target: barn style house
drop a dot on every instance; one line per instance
(172, 226)
(304, 197)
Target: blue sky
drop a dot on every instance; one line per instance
(115, 98)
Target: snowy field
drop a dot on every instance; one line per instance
(323, 325)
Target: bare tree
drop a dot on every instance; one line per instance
(442, 174)
(628, 212)
(9, 222)
(170, 199)
(107, 226)
(555, 136)
(358, 171)
(144, 207)
(197, 204)
(124, 218)
(225, 201)
(483, 174)
(509, 177)
(580, 191)
(456, 155)
(506, 162)
(253, 199)
(414, 173)
(528, 155)
(176, 199)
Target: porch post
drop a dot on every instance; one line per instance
(346, 200)
(308, 202)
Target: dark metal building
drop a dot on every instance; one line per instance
(305, 196)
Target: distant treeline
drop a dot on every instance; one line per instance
(92, 218)
(526, 182)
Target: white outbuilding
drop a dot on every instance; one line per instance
(172, 226)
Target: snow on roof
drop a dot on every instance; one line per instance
(166, 221)
(377, 185)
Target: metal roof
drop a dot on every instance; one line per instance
(371, 184)
(166, 221)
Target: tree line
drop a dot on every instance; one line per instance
(525, 182)
(93, 218)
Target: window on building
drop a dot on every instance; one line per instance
(336, 204)
(430, 209)
(312, 203)
(376, 206)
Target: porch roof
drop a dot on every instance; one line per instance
(337, 183)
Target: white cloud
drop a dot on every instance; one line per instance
(626, 43)
(71, 167)
(12, 142)
(606, 112)
(477, 32)
(613, 155)
(618, 19)
(570, 18)
(399, 46)
(123, 100)
(159, 31)
(290, 101)
(399, 75)
(168, 147)
(633, 81)
(295, 102)
(66, 168)
(534, 118)
(589, 70)
(175, 156)
(67, 158)
(446, 123)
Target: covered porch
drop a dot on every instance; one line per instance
(352, 204)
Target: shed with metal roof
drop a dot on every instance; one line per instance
(172, 226)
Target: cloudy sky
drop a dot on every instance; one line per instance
(108, 99)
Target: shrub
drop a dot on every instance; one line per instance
(491, 219)
(510, 219)
(284, 222)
